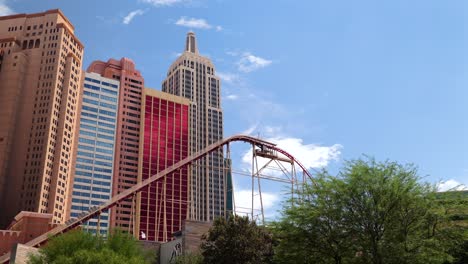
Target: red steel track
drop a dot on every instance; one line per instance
(71, 224)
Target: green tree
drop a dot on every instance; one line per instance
(452, 207)
(79, 247)
(312, 229)
(236, 240)
(189, 259)
(372, 212)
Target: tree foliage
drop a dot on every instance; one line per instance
(236, 240)
(189, 258)
(452, 207)
(372, 212)
(79, 247)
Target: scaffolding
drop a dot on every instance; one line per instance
(266, 164)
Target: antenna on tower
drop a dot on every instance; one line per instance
(191, 43)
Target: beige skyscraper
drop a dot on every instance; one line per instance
(193, 76)
(40, 80)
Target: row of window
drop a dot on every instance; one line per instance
(104, 118)
(93, 175)
(95, 162)
(101, 150)
(88, 188)
(98, 129)
(103, 97)
(93, 122)
(99, 82)
(94, 182)
(94, 195)
(97, 156)
(102, 216)
(97, 88)
(90, 168)
(97, 143)
(97, 103)
(91, 134)
(100, 111)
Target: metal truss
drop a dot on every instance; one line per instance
(261, 148)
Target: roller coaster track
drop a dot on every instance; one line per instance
(94, 211)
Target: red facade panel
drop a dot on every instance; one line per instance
(163, 205)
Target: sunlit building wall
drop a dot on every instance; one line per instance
(40, 88)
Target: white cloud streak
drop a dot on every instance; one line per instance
(128, 18)
(160, 3)
(176, 54)
(451, 185)
(228, 77)
(249, 62)
(243, 200)
(312, 156)
(250, 130)
(5, 10)
(198, 23)
(232, 97)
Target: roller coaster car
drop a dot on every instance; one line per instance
(264, 150)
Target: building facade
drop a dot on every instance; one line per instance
(24, 227)
(164, 140)
(193, 76)
(96, 149)
(127, 134)
(40, 83)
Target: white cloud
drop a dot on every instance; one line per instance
(159, 3)
(310, 155)
(176, 54)
(5, 10)
(249, 62)
(451, 185)
(232, 97)
(199, 23)
(228, 77)
(250, 130)
(127, 19)
(232, 53)
(243, 200)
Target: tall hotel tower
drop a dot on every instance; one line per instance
(127, 134)
(162, 206)
(96, 145)
(193, 76)
(40, 83)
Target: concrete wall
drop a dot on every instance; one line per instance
(192, 234)
(20, 253)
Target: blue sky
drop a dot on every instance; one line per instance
(328, 80)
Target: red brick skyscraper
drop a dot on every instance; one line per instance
(40, 88)
(165, 130)
(127, 134)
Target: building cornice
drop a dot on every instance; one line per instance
(52, 11)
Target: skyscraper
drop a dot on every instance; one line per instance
(164, 140)
(127, 134)
(193, 76)
(40, 82)
(96, 149)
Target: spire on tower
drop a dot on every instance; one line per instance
(191, 43)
